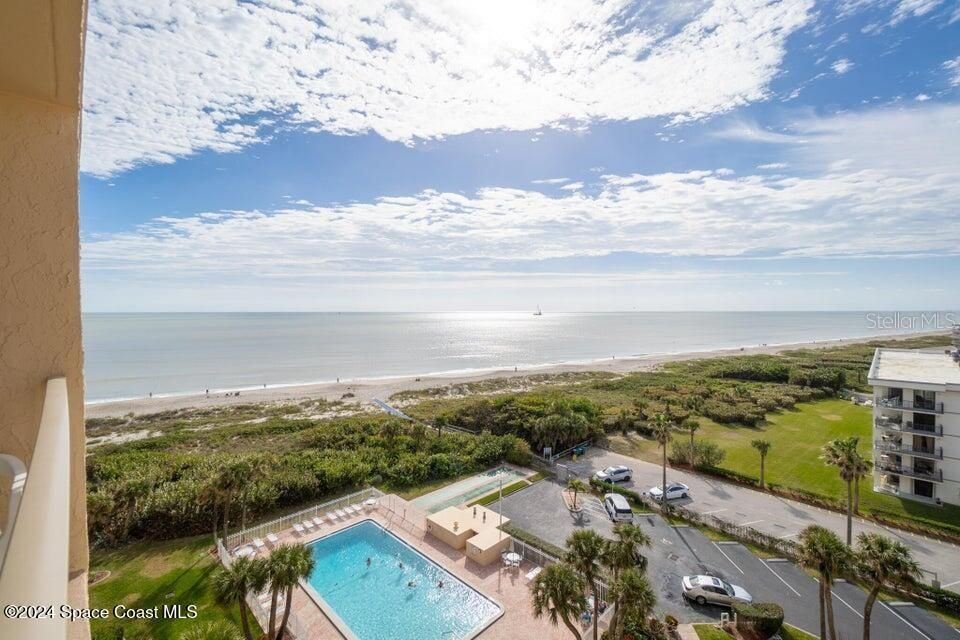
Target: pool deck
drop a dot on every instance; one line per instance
(506, 586)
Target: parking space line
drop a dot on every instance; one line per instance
(747, 524)
(789, 535)
(949, 584)
(780, 578)
(905, 621)
(728, 557)
(846, 603)
(709, 513)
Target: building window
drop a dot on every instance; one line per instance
(923, 488)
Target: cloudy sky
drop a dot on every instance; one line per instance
(496, 155)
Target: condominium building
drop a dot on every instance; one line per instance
(916, 424)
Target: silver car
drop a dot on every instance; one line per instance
(708, 589)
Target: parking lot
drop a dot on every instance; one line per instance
(676, 551)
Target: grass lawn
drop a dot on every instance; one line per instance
(789, 632)
(711, 632)
(796, 437)
(148, 574)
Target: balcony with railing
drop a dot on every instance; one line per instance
(909, 426)
(931, 453)
(934, 475)
(34, 545)
(894, 490)
(918, 405)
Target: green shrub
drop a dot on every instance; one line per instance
(705, 453)
(759, 620)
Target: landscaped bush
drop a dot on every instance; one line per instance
(705, 453)
(831, 378)
(727, 411)
(759, 620)
(760, 368)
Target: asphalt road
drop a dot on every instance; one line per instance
(676, 551)
(770, 514)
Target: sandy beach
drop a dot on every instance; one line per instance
(365, 390)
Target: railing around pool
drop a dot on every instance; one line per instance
(543, 559)
(286, 522)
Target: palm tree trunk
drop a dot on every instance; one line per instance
(596, 610)
(823, 613)
(828, 595)
(226, 516)
(244, 622)
(763, 485)
(615, 619)
(868, 610)
(663, 496)
(286, 614)
(856, 494)
(215, 523)
(275, 593)
(573, 629)
(849, 512)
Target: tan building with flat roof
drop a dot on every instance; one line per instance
(475, 529)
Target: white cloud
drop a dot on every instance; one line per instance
(922, 97)
(164, 80)
(876, 183)
(900, 10)
(551, 181)
(773, 165)
(841, 66)
(573, 186)
(953, 66)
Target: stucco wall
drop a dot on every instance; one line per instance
(40, 334)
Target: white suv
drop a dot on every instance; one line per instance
(614, 474)
(617, 508)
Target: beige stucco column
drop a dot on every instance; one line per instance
(41, 55)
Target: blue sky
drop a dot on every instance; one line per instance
(727, 154)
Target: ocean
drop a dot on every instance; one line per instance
(130, 355)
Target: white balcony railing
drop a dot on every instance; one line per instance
(35, 542)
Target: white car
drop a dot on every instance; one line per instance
(617, 507)
(614, 474)
(708, 589)
(674, 490)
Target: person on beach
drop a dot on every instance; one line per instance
(208, 392)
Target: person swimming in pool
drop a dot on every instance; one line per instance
(440, 585)
(411, 584)
(400, 564)
(368, 562)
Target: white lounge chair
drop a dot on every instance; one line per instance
(341, 513)
(272, 539)
(318, 521)
(298, 528)
(533, 573)
(258, 544)
(348, 510)
(332, 517)
(308, 525)
(357, 508)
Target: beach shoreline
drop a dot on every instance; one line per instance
(364, 391)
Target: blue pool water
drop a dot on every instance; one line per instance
(376, 601)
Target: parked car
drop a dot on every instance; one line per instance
(708, 589)
(617, 507)
(674, 490)
(614, 474)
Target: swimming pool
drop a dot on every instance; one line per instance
(467, 489)
(396, 597)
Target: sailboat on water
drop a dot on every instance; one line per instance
(538, 312)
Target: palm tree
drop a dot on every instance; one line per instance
(691, 426)
(624, 422)
(389, 431)
(632, 595)
(763, 447)
(232, 478)
(639, 412)
(129, 496)
(585, 551)
(232, 584)
(882, 561)
(621, 555)
(419, 434)
(257, 469)
(214, 630)
(842, 453)
(557, 591)
(862, 468)
(577, 486)
(662, 428)
(821, 550)
(100, 514)
(286, 566)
